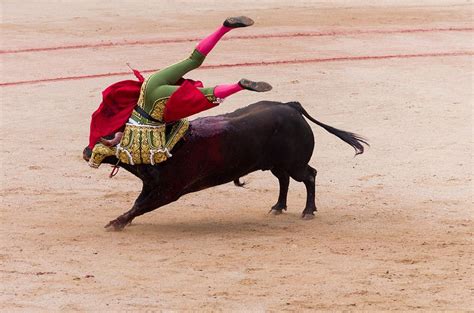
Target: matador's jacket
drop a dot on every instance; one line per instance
(146, 138)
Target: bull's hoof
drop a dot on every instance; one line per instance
(275, 212)
(307, 216)
(277, 209)
(115, 225)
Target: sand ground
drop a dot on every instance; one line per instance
(394, 227)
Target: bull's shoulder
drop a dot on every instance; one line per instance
(209, 126)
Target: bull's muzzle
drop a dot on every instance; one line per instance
(86, 154)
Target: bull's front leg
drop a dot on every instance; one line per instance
(123, 220)
(149, 199)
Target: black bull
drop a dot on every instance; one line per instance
(219, 149)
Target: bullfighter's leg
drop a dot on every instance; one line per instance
(173, 73)
(284, 180)
(308, 176)
(148, 200)
(207, 44)
(220, 91)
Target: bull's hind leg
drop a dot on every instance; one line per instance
(308, 177)
(284, 180)
(310, 183)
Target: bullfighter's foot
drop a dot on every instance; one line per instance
(117, 224)
(238, 21)
(255, 86)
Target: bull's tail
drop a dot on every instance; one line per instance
(352, 139)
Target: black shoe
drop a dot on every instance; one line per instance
(255, 86)
(238, 21)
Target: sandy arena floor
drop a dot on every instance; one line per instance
(394, 227)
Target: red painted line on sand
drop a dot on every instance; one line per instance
(261, 36)
(264, 63)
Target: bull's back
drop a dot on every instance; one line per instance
(260, 136)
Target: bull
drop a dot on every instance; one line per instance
(219, 149)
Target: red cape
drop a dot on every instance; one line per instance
(119, 100)
(186, 101)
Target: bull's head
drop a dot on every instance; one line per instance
(97, 155)
(103, 148)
